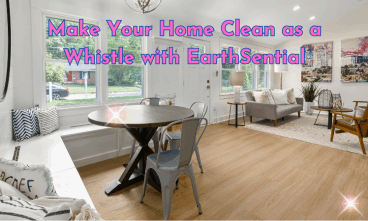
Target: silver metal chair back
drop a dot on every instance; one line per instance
(154, 101)
(188, 141)
(200, 108)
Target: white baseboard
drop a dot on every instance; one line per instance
(226, 117)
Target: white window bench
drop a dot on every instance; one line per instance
(71, 147)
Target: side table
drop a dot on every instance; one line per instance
(329, 125)
(236, 113)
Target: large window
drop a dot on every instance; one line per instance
(226, 69)
(125, 81)
(262, 73)
(68, 84)
(255, 76)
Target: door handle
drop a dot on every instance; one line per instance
(208, 87)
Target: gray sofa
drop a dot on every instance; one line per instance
(271, 111)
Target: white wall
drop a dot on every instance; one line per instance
(7, 105)
(351, 25)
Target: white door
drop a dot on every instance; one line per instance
(196, 77)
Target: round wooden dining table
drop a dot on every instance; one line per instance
(141, 121)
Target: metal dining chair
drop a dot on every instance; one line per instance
(169, 165)
(200, 109)
(154, 101)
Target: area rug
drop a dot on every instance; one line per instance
(303, 129)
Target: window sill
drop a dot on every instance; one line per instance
(231, 95)
(64, 111)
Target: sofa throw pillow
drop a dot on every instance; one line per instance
(358, 112)
(291, 96)
(280, 96)
(49, 120)
(14, 208)
(261, 96)
(9, 190)
(25, 123)
(33, 181)
(270, 97)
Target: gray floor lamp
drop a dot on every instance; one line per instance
(237, 80)
(279, 68)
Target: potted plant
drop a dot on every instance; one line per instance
(310, 92)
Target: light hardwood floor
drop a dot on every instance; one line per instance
(247, 175)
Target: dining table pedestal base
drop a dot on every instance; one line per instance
(135, 169)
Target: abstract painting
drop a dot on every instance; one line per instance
(354, 60)
(318, 62)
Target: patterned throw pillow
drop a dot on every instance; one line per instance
(14, 208)
(261, 97)
(33, 181)
(25, 123)
(48, 119)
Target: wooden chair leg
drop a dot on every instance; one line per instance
(333, 128)
(250, 119)
(357, 126)
(298, 113)
(275, 123)
(362, 144)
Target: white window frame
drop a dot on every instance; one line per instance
(101, 79)
(255, 70)
(144, 86)
(45, 15)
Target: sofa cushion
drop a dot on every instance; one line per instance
(283, 110)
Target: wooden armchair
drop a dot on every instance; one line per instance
(360, 128)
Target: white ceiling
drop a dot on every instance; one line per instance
(253, 12)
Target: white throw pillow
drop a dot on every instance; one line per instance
(358, 112)
(280, 96)
(13, 208)
(33, 181)
(9, 190)
(290, 95)
(261, 96)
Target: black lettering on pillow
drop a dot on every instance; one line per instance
(20, 184)
(16, 184)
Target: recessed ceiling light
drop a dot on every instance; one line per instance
(312, 18)
(296, 8)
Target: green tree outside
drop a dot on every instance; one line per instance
(55, 73)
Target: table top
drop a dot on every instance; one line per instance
(238, 103)
(331, 109)
(139, 116)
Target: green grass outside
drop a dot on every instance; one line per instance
(79, 89)
(86, 101)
